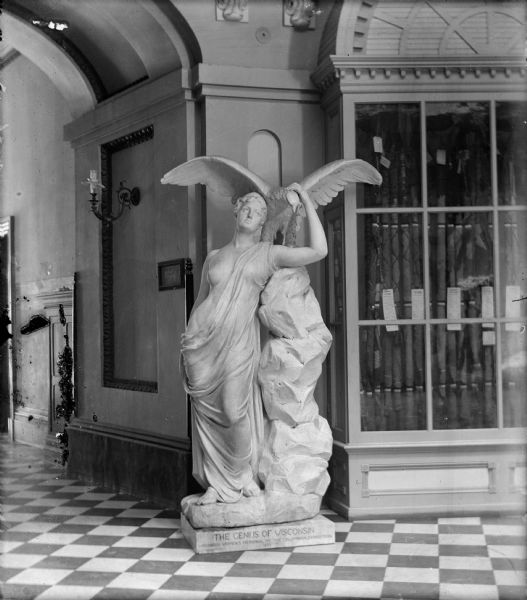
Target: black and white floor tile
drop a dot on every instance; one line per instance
(62, 539)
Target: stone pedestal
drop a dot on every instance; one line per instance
(309, 532)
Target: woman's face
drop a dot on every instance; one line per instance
(251, 213)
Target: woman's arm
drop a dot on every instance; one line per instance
(318, 246)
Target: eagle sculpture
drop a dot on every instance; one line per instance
(284, 211)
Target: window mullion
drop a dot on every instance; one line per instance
(496, 256)
(426, 272)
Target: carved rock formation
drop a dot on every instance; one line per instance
(298, 445)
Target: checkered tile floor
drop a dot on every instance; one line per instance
(63, 540)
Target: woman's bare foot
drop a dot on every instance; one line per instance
(209, 497)
(251, 489)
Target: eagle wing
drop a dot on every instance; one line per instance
(222, 175)
(325, 183)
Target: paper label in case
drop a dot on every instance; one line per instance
(441, 157)
(512, 306)
(453, 307)
(487, 304)
(418, 304)
(388, 309)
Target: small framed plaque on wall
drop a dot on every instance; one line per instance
(171, 274)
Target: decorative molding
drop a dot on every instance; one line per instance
(44, 286)
(362, 25)
(326, 76)
(443, 28)
(254, 83)
(232, 10)
(514, 487)
(403, 468)
(129, 140)
(107, 150)
(354, 72)
(51, 300)
(135, 109)
(129, 433)
(433, 445)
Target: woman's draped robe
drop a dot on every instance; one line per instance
(220, 357)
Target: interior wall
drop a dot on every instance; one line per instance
(161, 413)
(134, 268)
(263, 41)
(38, 191)
(231, 122)
(38, 186)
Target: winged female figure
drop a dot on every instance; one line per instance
(220, 348)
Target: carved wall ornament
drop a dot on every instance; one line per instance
(300, 14)
(232, 10)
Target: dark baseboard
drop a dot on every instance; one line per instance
(153, 468)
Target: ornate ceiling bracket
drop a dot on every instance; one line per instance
(300, 14)
(232, 10)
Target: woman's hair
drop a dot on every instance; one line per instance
(239, 202)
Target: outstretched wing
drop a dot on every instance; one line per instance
(224, 176)
(325, 183)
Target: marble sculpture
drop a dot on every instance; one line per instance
(260, 448)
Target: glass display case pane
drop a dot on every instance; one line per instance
(461, 265)
(392, 266)
(513, 264)
(388, 137)
(514, 376)
(458, 153)
(463, 376)
(392, 372)
(511, 139)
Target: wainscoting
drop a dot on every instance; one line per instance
(154, 468)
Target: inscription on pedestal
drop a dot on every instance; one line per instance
(309, 532)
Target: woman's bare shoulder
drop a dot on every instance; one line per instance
(212, 253)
